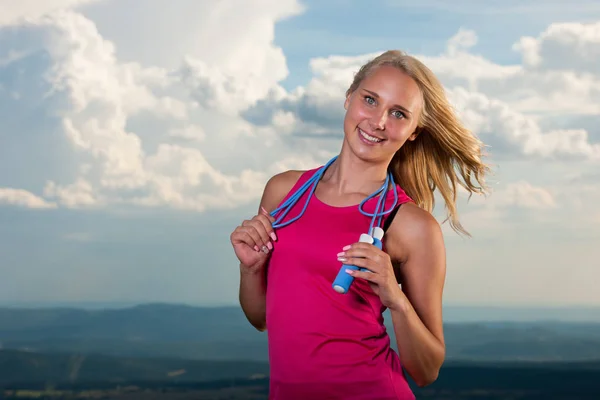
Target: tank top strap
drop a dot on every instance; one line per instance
(402, 199)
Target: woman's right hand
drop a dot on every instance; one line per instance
(253, 240)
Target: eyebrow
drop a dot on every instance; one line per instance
(395, 105)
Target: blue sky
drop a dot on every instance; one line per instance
(128, 153)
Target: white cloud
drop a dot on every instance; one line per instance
(559, 72)
(23, 198)
(512, 132)
(477, 8)
(524, 195)
(189, 132)
(13, 12)
(563, 46)
(102, 97)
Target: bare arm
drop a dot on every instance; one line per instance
(253, 296)
(253, 282)
(416, 240)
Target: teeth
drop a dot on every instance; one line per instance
(369, 137)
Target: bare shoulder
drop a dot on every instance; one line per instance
(277, 187)
(414, 231)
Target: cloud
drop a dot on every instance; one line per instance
(477, 8)
(558, 71)
(156, 137)
(514, 134)
(563, 46)
(519, 194)
(23, 198)
(13, 12)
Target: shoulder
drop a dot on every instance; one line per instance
(413, 231)
(278, 186)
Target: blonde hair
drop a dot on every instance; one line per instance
(444, 150)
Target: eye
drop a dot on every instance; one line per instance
(369, 100)
(398, 114)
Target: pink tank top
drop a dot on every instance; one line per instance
(322, 344)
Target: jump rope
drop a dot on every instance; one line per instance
(343, 280)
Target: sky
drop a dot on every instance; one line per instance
(136, 136)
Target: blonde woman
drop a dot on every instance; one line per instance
(401, 143)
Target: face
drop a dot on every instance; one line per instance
(382, 114)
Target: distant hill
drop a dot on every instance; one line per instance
(26, 369)
(166, 330)
(452, 312)
(36, 375)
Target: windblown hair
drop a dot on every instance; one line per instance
(444, 154)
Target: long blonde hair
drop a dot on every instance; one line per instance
(444, 150)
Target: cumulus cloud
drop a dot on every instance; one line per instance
(520, 194)
(558, 72)
(23, 198)
(13, 12)
(563, 46)
(511, 132)
(149, 136)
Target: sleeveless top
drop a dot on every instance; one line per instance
(322, 344)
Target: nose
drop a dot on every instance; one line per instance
(379, 119)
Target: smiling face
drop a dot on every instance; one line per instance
(382, 114)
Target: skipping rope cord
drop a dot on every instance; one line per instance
(377, 215)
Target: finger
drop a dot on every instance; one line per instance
(357, 252)
(241, 235)
(366, 275)
(267, 225)
(258, 228)
(267, 214)
(360, 263)
(257, 231)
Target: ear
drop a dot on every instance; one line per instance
(415, 134)
(347, 101)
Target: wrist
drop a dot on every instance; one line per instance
(400, 303)
(251, 270)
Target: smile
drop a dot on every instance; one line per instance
(366, 136)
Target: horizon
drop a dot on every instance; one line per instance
(452, 313)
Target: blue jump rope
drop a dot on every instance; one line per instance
(343, 280)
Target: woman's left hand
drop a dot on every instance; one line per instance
(380, 274)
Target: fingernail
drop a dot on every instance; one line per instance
(349, 271)
(342, 259)
(256, 248)
(340, 254)
(270, 245)
(263, 210)
(346, 247)
(273, 236)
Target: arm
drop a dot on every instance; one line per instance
(253, 280)
(416, 241)
(253, 296)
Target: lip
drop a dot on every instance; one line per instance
(367, 141)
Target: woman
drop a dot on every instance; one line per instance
(328, 345)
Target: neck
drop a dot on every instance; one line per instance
(348, 174)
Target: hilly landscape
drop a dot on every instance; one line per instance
(166, 351)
